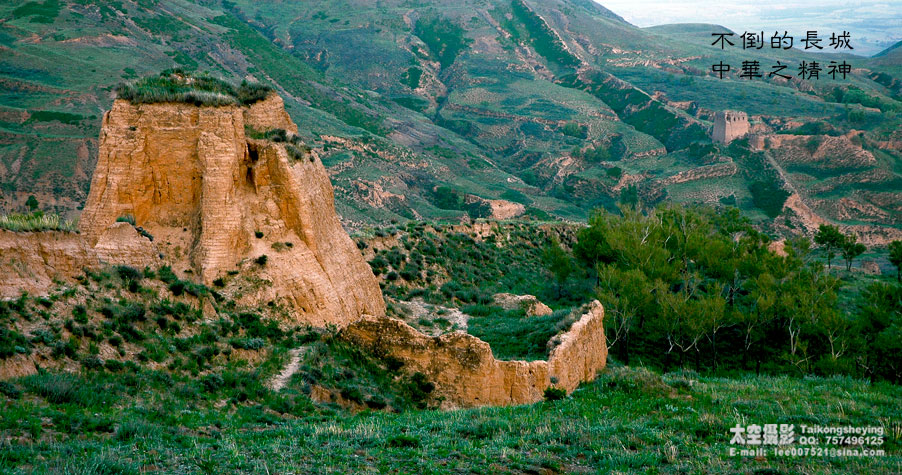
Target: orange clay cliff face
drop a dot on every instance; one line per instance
(192, 179)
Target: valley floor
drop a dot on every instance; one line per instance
(630, 420)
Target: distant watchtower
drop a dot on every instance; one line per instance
(729, 125)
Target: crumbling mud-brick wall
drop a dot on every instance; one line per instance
(465, 372)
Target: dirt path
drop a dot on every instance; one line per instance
(294, 362)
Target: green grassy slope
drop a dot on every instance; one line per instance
(629, 420)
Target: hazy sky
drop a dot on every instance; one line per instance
(873, 24)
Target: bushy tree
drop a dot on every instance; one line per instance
(895, 256)
(558, 262)
(851, 249)
(830, 239)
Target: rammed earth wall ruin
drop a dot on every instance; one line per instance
(465, 372)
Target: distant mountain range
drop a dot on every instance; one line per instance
(441, 109)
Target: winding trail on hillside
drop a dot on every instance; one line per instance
(294, 363)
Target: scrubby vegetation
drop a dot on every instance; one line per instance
(293, 144)
(159, 384)
(36, 221)
(444, 38)
(697, 287)
(176, 85)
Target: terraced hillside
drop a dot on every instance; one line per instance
(432, 109)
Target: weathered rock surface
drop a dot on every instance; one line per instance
(30, 262)
(190, 177)
(529, 303)
(465, 372)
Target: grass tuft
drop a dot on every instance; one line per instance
(37, 221)
(176, 85)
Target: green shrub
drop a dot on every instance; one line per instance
(247, 343)
(261, 261)
(166, 275)
(92, 362)
(10, 390)
(177, 288)
(768, 197)
(128, 273)
(126, 218)
(114, 365)
(12, 342)
(64, 388)
(404, 441)
(80, 314)
(554, 394)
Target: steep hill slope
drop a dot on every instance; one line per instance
(428, 110)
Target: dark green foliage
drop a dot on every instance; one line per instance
(248, 343)
(574, 129)
(558, 261)
(638, 109)
(851, 249)
(166, 275)
(411, 77)
(32, 203)
(597, 154)
(895, 257)
(10, 390)
(66, 388)
(445, 39)
(128, 273)
(92, 362)
(38, 12)
(12, 342)
(114, 365)
(178, 287)
(177, 85)
(554, 394)
(49, 116)
(511, 334)
(542, 37)
(403, 441)
(681, 279)
(768, 197)
(261, 260)
(855, 95)
(629, 196)
(293, 144)
(879, 329)
(364, 378)
(830, 239)
(258, 234)
(445, 197)
(816, 127)
(418, 388)
(80, 314)
(516, 196)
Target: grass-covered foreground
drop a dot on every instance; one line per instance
(630, 420)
